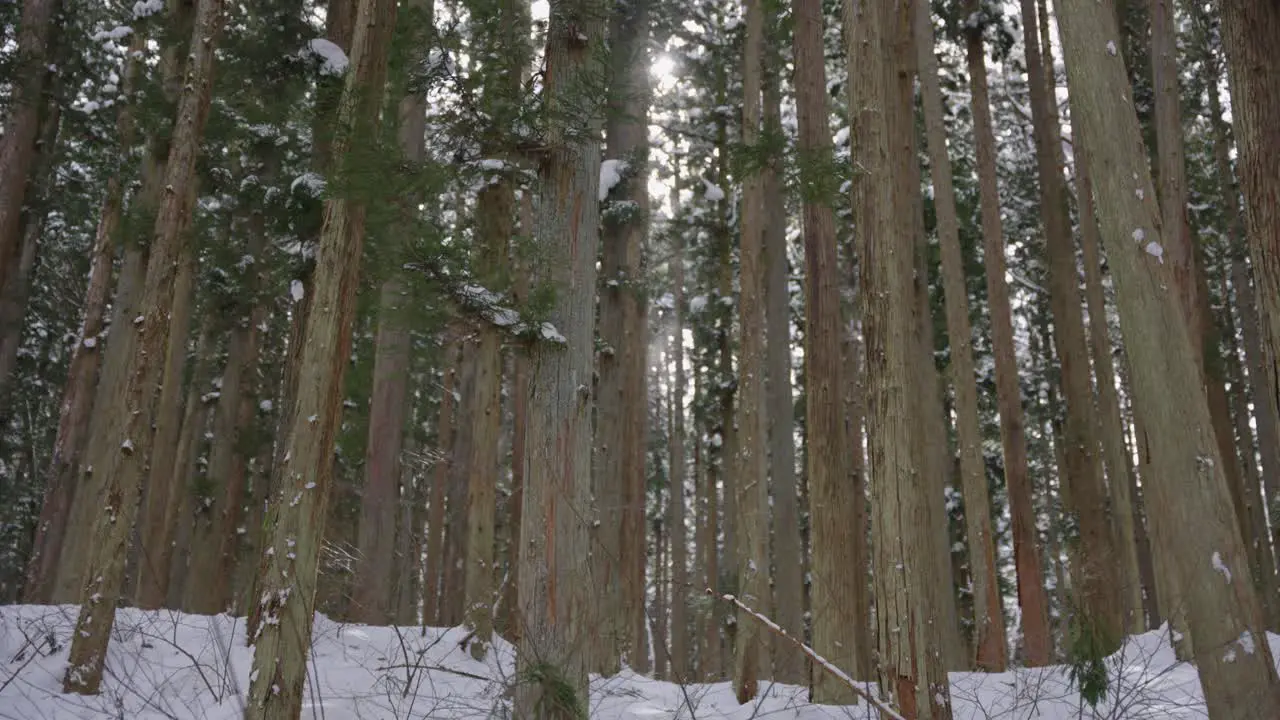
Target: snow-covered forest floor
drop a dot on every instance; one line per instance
(171, 665)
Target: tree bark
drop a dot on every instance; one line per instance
(372, 599)
(1187, 486)
(1262, 382)
(1094, 579)
(1250, 34)
(296, 522)
(752, 519)
(431, 582)
(1032, 598)
(558, 461)
(788, 578)
(621, 407)
(989, 635)
(679, 600)
(1116, 456)
(19, 147)
(910, 664)
(164, 488)
(127, 423)
(834, 586)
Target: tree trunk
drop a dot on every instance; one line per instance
(750, 488)
(621, 407)
(19, 146)
(837, 634)
(510, 620)
(432, 581)
(1118, 461)
(16, 288)
(1187, 486)
(1262, 383)
(164, 488)
(989, 636)
(856, 487)
(910, 664)
(288, 573)
(1094, 580)
(679, 600)
(1032, 599)
(1262, 560)
(130, 420)
(788, 579)
(1250, 30)
(216, 540)
(372, 600)
(553, 533)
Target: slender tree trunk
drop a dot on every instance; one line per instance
(910, 664)
(170, 558)
(288, 574)
(19, 146)
(856, 487)
(989, 636)
(834, 586)
(680, 647)
(1032, 599)
(86, 358)
(16, 288)
(372, 600)
(1118, 461)
(1262, 560)
(1094, 578)
(1262, 383)
(1188, 485)
(788, 579)
(1251, 39)
(215, 539)
(558, 461)
(752, 519)
(510, 621)
(621, 407)
(1179, 252)
(130, 420)
(164, 488)
(431, 582)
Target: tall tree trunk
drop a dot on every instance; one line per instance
(834, 583)
(1118, 460)
(750, 487)
(215, 540)
(296, 522)
(989, 636)
(86, 357)
(679, 601)
(432, 581)
(130, 419)
(1262, 559)
(15, 288)
(510, 620)
(372, 600)
(164, 488)
(553, 533)
(167, 589)
(1094, 578)
(910, 664)
(1187, 485)
(788, 578)
(856, 487)
(19, 146)
(1032, 598)
(621, 407)
(1262, 382)
(1181, 254)
(1250, 33)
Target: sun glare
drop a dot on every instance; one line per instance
(663, 67)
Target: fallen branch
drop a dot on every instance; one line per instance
(822, 662)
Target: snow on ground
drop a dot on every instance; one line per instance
(170, 665)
